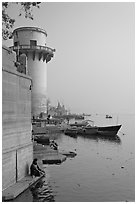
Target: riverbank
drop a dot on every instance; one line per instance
(102, 171)
(45, 155)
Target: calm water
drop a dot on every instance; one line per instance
(103, 170)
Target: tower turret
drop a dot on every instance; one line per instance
(31, 41)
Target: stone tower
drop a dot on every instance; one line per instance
(31, 41)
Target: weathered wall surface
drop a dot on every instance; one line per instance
(24, 35)
(8, 169)
(17, 150)
(24, 159)
(37, 69)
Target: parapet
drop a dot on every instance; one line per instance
(8, 58)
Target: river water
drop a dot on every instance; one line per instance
(102, 171)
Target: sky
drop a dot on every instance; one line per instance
(93, 69)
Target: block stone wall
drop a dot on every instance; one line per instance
(17, 148)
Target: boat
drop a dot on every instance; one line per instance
(81, 129)
(88, 130)
(108, 116)
(42, 139)
(84, 114)
(103, 131)
(79, 124)
(71, 131)
(109, 130)
(68, 154)
(79, 117)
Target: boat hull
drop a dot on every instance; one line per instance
(108, 116)
(88, 131)
(78, 124)
(42, 140)
(109, 130)
(71, 132)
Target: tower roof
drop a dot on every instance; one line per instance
(31, 29)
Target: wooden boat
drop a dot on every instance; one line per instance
(81, 130)
(109, 130)
(103, 131)
(42, 139)
(108, 116)
(68, 154)
(82, 123)
(79, 117)
(71, 131)
(79, 124)
(88, 130)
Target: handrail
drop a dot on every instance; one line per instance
(38, 47)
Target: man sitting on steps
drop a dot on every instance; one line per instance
(54, 145)
(35, 169)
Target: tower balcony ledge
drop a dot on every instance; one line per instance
(36, 48)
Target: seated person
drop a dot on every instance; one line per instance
(54, 145)
(35, 169)
(48, 118)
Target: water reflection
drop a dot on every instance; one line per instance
(42, 192)
(115, 140)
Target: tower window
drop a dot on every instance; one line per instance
(33, 43)
(16, 43)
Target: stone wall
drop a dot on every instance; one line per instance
(17, 148)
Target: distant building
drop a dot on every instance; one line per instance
(57, 111)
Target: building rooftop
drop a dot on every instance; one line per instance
(31, 29)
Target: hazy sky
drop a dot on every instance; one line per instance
(93, 69)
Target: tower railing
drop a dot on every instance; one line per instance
(33, 47)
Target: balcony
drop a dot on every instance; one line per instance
(33, 47)
(43, 51)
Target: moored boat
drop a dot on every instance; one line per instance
(42, 139)
(72, 131)
(88, 130)
(79, 117)
(79, 124)
(108, 116)
(109, 130)
(82, 123)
